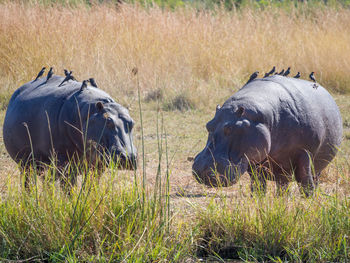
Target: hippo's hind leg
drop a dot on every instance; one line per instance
(303, 174)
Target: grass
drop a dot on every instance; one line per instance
(277, 229)
(206, 54)
(201, 57)
(181, 102)
(102, 223)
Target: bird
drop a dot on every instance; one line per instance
(49, 74)
(297, 75)
(69, 76)
(312, 77)
(40, 73)
(287, 72)
(281, 73)
(66, 72)
(270, 72)
(253, 76)
(83, 85)
(93, 82)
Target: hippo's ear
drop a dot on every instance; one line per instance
(240, 112)
(99, 105)
(218, 107)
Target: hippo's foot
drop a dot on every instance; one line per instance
(68, 177)
(257, 181)
(67, 182)
(303, 174)
(31, 171)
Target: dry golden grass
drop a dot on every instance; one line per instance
(208, 54)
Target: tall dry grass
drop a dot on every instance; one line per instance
(206, 54)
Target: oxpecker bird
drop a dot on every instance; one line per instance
(253, 76)
(312, 77)
(297, 75)
(270, 72)
(69, 76)
(83, 85)
(40, 74)
(66, 72)
(287, 72)
(49, 74)
(281, 73)
(93, 82)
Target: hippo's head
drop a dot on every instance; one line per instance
(109, 128)
(236, 138)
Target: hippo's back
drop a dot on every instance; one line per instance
(28, 114)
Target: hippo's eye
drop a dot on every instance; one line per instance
(227, 130)
(110, 123)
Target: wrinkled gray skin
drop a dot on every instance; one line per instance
(107, 124)
(270, 128)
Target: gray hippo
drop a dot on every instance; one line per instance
(45, 122)
(272, 128)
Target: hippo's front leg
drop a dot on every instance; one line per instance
(258, 176)
(67, 171)
(303, 173)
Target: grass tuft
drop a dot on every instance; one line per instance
(181, 102)
(154, 95)
(278, 228)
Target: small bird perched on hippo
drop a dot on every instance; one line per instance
(68, 123)
(272, 128)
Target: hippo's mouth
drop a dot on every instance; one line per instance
(213, 179)
(99, 153)
(122, 160)
(126, 162)
(223, 176)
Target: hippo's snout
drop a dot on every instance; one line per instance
(214, 178)
(217, 172)
(125, 161)
(211, 179)
(214, 173)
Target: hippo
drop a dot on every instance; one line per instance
(44, 122)
(274, 128)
